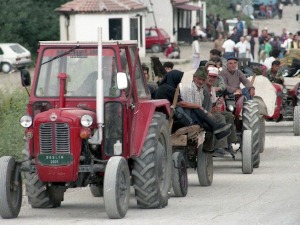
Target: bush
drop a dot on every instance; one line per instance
(12, 108)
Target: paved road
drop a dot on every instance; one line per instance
(269, 196)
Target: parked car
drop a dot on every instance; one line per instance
(13, 55)
(157, 39)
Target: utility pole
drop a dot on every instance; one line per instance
(152, 11)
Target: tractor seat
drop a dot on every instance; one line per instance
(190, 131)
(181, 136)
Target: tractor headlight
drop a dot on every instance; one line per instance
(86, 120)
(230, 108)
(284, 90)
(26, 121)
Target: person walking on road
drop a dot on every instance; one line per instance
(228, 47)
(242, 48)
(196, 52)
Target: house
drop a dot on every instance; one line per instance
(127, 19)
(177, 17)
(119, 20)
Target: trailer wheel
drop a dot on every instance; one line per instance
(179, 175)
(10, 188)
(204, 167)
(247, 158)
(152, 169)
(116, 187)
(296, 123)
(251, 122)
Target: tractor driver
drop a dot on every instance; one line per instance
(233, 77)
(274, 74)
(109, 71)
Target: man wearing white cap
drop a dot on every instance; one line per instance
(212, 86)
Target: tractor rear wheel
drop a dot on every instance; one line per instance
(204, 167)
(10, 188)
(116, 187)
(251, 122)
(152, 169)
(296, 120)
(39, 194)
(247, 157)
(179, 175)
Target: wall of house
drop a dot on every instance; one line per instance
(84, 27)
(163, 13)
(166, 16)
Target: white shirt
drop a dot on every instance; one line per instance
(242, 47)
(268, 62)
(228, 45)
(196, 48)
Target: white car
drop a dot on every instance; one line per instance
(13, 55)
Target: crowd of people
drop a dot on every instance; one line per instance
(212, 79)
(219, 76)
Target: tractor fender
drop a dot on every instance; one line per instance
(265, 94)
(142, 119)
(262, 106)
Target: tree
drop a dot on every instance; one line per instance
(28, 22)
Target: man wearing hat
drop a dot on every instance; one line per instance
(196, 94)
(233, 77)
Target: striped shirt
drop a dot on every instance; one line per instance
(192, 94)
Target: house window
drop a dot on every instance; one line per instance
(184, 19)
(134, 29)
(115, 29)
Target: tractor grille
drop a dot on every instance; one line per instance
(54, 138)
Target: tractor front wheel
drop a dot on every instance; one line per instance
(247, 158)
(96, 190)
(116, 187)
(262, 134)
(152, 169)
(10, 188)
(204, 167)
(296, 120)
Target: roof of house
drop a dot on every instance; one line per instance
(96, 6)
(177, 2)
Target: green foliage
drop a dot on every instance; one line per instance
(220, 7)
(12, 107)
(28, 22)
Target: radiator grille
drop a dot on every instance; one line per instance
(54, 138)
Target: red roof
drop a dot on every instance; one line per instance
(95, 6)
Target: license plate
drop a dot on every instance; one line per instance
(55, 159)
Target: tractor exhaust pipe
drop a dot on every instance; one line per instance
(97, 137)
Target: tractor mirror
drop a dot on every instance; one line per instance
(122, 82)
(25, 78)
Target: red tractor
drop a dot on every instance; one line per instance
(90, 122)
